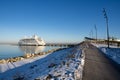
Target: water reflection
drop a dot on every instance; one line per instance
(9, 51)
(32, 49)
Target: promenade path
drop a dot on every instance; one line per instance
(97, 66)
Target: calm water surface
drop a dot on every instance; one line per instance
(9, 51)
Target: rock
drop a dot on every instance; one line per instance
(2, 61)
(37, 79)
(32, 55)
(51, 65)
(48, 77)
(27, 55)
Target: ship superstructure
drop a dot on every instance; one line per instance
(35, 40)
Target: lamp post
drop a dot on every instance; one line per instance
(92, 34)
(105, 16)
(96, 33)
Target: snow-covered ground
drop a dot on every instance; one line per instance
(113, 52)
(66, 64)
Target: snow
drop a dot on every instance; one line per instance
(64, 64)
(113, 52)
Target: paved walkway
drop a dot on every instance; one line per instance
(97, 66)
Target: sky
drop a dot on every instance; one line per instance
(58, 20)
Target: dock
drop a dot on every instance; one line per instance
(98, 66)
(61, 44)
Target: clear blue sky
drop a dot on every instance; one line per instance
(57, 20)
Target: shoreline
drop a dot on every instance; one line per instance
(27, 56)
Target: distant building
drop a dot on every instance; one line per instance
(118, 40)
(87, 38)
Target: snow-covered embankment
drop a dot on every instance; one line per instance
(63, 64)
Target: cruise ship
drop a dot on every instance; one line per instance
(32, 41)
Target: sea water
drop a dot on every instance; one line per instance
(9, 51)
